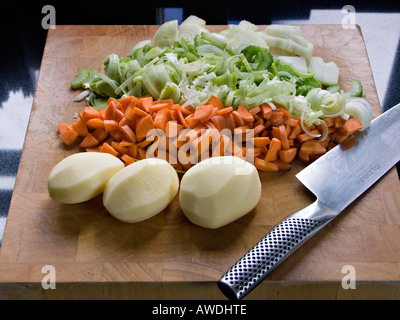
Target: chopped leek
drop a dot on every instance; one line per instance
(166, 35)
(261, 56)
(327, 73)
(78, 81)
(356, 89)
(189, 64)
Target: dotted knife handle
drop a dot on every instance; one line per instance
(266, 255)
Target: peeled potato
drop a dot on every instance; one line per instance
(82, 176)
(141, 190)
(219, 190)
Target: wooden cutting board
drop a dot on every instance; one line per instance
(166, 257)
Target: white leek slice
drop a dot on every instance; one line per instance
(140, 44)
(303, 49)
(288, 38)
(166, 34)
(190, 27)
(242, 35)
(282, 31)
(82, 95)
(360, 109)
(326, 73)
(299, 64)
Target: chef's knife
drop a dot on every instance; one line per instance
(336, 179)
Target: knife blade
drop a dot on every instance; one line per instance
(346, 171)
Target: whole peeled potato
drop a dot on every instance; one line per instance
(141, 190)
(219, 190)
(82, 176)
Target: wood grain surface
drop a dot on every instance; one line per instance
(167, 257)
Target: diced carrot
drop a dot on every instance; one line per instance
(119, 115)
(351, 126)
(182, 119)
(258, 129)
(329, 122)
(62, 127)
(284, 139)
(245, 114)
(143, 144)
(144, 103)
(140, 112)
(291, 122)
(286, 114)
(225, 110)
(216, 102)
(107, 148)
(230, 121)
(127, 159)
(125, 143)
(133, 151)
(263, 165)
(340, 135)
(215, 121)
(255, 110)
(202, 112)
(213, 113)
(90, 113)
(172, 129)
(191, 121)
(189, 108)
(121, 149)
(306, 137)
(169, 102)
(112, 101)
(110, 112)
(161, 119)
(80, 127)
(312, 147)
(102, 114)
(288, 155)
(69, 136)
(222, 121)
(295, 132)
(144, 125)
(239, 121)
(129, 101)
(158, 106)
(128, 134)
(273, 151)
(95, 123)
(339, 122)
(89, 141)
(130, 114)
(116, 135)
(100, 134)
(304, 157)
(276, 133)
(277, 118)
(260, 141)
(141, 153)
(174, 115)
(92, 149)
(266, 110)
(111, 125)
